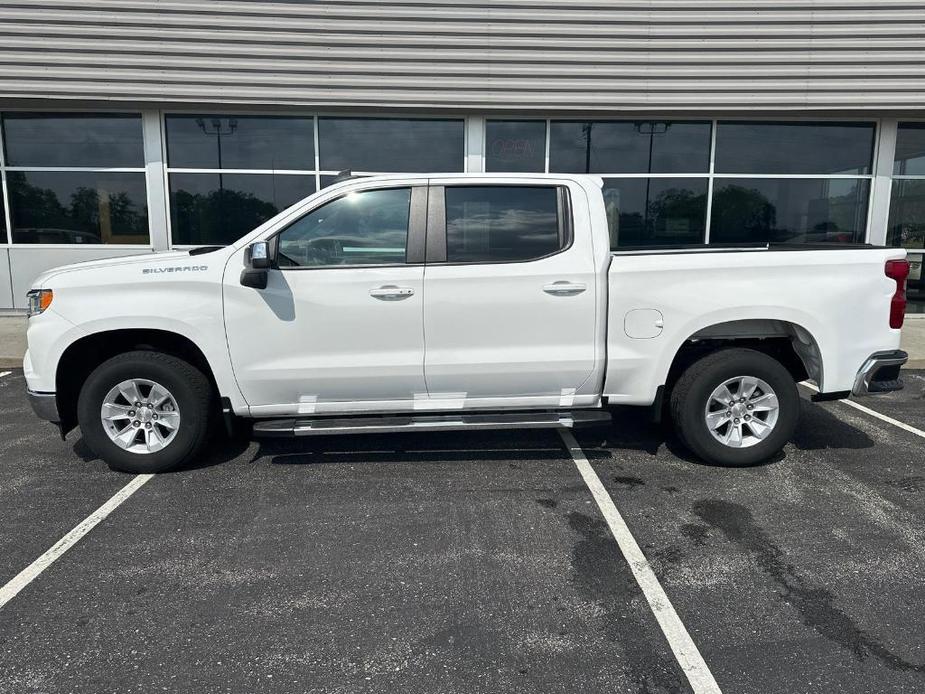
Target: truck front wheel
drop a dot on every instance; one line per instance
(145, 411)
(735, 407)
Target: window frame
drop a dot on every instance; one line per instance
(414, 245)
(436, 246)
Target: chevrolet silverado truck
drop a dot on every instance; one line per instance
(456, 301)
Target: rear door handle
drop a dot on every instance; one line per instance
(563, 288)
(391, 292)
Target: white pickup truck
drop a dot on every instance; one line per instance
(434, 302)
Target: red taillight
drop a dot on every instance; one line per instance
(897, 270)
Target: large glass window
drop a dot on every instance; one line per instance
(391, 144)
(794, 148)
(906, 227)
(219, 208)
(758, 198)
(645, 205)
(803, 210)
(103, 140)
(655, 211)
(515, 145)
(240, 142)
(363, 228)
(75, 178)
(78, 207)
(501, 223)
(273, 163)
(910, 150)
(629, 146)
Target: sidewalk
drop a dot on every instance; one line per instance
(13, 340)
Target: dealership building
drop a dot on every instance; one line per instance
(132, 126)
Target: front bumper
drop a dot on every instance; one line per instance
(45, 405)
(880, 373)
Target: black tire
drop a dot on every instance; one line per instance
(189, 387)
(692, 392)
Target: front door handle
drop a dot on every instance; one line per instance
(391, 292)
(563, 288)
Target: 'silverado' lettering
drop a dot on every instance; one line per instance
(178, 268)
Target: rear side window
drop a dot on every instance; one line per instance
(503, 223)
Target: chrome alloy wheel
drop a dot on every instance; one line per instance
(140, 416)
(742, 411)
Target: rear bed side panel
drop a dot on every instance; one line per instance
(840, 297)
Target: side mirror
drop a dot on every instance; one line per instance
(258, 255)
(256, 264)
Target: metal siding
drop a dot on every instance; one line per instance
(537, 56)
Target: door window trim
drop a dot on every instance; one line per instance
(414, 244)
(435, 246)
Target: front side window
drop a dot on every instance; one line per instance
(502, 223)
(362, 228)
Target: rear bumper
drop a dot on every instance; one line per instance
(880, 373)
(45, 406)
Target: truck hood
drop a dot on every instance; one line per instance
(156, 259)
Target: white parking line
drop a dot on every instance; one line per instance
(27, 575)
(872, 413)
(682, 645)
(5, 373)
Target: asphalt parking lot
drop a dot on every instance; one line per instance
(470, 563)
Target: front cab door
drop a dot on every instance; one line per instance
(339, 326)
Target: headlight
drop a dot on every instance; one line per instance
(39, 300)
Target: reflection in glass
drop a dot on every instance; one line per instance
(910, 150)
(515, 145)
(789, 210)
(906, 229)
(71, 139)
(67, 207)
(794, 148)
(629, 147)
(655, 211)
(501, 223)
(361, 228)
(212, 208)
(240, 142)
(391, 144)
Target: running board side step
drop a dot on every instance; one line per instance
(428, 422)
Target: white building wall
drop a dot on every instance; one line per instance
(538, 56)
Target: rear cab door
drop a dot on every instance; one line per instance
(512, 301)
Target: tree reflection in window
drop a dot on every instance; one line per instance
(789, 210)
(58, 207)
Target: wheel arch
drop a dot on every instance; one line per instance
(790, 343)
(83, 355)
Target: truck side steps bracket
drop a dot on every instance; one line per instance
(428, 422)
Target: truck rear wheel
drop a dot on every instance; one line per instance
(735, 407)
(145, 411)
